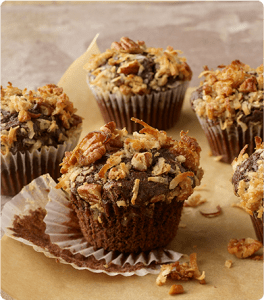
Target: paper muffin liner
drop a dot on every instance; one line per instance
(18, 170)
(160, 110)
(229, 142)
(258, 226)
(62, 228)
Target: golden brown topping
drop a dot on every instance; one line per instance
(129, 60)
(250, 189)
(90, 192)
(141, 161)
(236, 88)
(127, 45)
(176, 289)
(161, 167)
(243, 248)
(184, 271)
(135, 191)
(123, 155)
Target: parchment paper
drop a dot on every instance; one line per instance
(27, 274)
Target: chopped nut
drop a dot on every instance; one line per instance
(129, 67)
(243, 248)
(90, 192)
(141, 161)
(176, 289)
(184, 271)
(158, 179)
(228, 263)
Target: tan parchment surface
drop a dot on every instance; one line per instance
(28, 275)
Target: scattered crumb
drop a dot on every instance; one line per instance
(176, 289)
(257, 257)
(182, 225)
(184, 271)
(218, 158)
(228, 263)
(210, 153)
(212, 214)
(194, 201)
(106, 266)
(243, 248)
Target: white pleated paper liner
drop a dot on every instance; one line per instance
(64, 230)
(18, 170)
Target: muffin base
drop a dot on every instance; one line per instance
(229, 142)
(258, 226)
(128, 229)
(159, 110)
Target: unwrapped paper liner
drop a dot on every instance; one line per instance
(42, 193)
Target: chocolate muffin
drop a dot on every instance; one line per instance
(248, 184)
(132, 80)
(229, 107)
(37, 127)
(128, 192)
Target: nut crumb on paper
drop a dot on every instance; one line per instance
(228, 263)
(243, 248)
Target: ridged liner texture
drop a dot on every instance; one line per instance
(229, 142)
(140, 232)
(41, 193)
(160, 110)
(18, 170)
(258, 226)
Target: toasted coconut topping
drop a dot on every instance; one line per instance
(46, 109)
(129, 166)
(229, 94)
(178, 271)
(248, 178)
(131, 68)
(243, 248)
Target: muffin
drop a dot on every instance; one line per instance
(248, 184)
(37, 127)
(229, 107)
(128, 193)
(131, 80)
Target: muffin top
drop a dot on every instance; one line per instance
(248, 178)
(32, 119)
(232, 94)
(130, 68)
(144, 169)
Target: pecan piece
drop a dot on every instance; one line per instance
(126, 45)
(249, 85)
(130, 67)
(90, 192)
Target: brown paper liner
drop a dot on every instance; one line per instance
(229, 142)
(18, 170)
(258, 226)
(160, 110)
